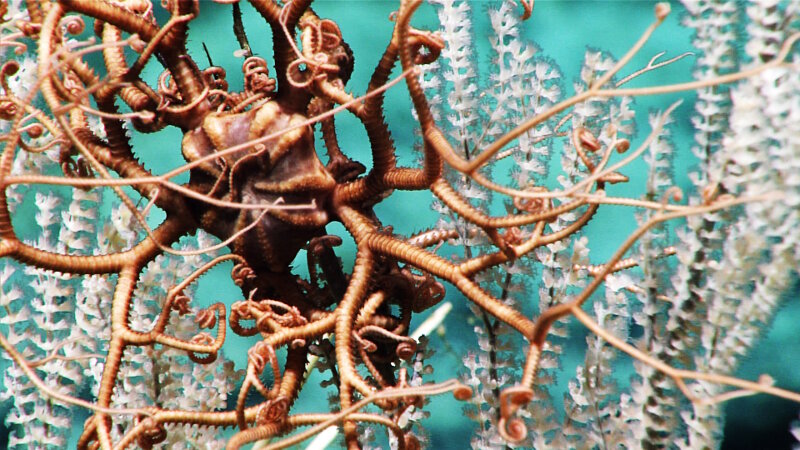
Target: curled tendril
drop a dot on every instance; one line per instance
(513, 236)
(511, 428)
(298, 76)
(136, 43)
(77, 168)
(73, 25)
(265, 314)
(324, 56)
(673, 193)
(622, 145)
(291, 318)
(241, 273)
(181, 304)
(167, 90)
(203, 359)
(259, 355)
(319, 37)
(206, 318)
(19, 47)
(533, 205)
(152, 434)
(84, 169)
(8, 69)
(142, 8)
(425, 46)
(34, 130)
(588, 140)
(7, 110)
(256, 76)
(406, 346)
(325, 34)
(462, 393)
(241, 311)
(263, 322)
(215, 78)
(662, 10)
(203, 339)
(273, 411)
(366, 344)
(406, 350)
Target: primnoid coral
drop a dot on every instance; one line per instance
(102, 309)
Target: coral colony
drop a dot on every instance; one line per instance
(103, 252)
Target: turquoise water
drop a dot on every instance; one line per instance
(562, 30)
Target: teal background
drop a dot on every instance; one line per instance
(562, 30)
